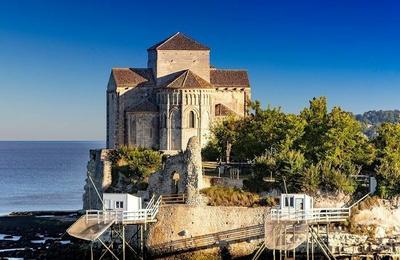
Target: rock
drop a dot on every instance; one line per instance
(182, 173)
(99, 170)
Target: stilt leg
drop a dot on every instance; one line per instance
(312, 246)
(91, 251)
(123, 242)
(308, 244)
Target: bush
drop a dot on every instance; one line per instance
(211, 152)
(223, 196)
(136, 164)
(333, 179)
(269, 202)
(139, 161)
(311, 179)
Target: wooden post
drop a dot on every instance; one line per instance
(141, 239)
(273, 237)
(123, 242)
(91, 251)
(308, 243)
(312, 244)
(294, 239)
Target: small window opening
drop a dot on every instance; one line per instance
(119, 204)
(192, 120)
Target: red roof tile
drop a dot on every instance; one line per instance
(125, 77)
(229, 78)
(187, 79)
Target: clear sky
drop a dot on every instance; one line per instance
(56, 56)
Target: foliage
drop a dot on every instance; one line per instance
(333, 178)
(225, 133)
(224, 196)
(211, 152)
(136, 163)
(388, 159)
(317, 149)
(311, 179)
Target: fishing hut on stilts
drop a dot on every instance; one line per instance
(108, 226)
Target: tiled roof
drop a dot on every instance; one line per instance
(222, 110)
(229, 78)
(186, 79)
(132, 77)
(178, 41)
(145, 106)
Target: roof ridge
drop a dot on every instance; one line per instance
(186, 76)
(183, 71)
(230, 69)
(190, 38)
(168, 39)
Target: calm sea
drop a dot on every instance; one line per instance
(43, 175)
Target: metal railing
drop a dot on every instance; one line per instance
(105, 216)
(312, 215)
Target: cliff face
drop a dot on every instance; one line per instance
(99, 170)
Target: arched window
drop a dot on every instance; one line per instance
(192, 120)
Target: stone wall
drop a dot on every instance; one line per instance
(178, 222)
(234, 99)
(182, 173)
(99, 169)
(170, 61)
(142, 129)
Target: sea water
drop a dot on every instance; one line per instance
(46, 175)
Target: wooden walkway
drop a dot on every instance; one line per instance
(209, 240)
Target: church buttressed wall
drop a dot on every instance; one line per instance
(174, 98)
(143, 129)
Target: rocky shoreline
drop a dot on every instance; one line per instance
(40, 235)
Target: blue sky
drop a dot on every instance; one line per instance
(56, 56)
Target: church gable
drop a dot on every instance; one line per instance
(222, 110)
(132, 77)
(186, 80)
(179, 41)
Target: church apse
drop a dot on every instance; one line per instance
(174, 98)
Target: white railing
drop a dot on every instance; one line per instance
(105, 216)
(312, 215)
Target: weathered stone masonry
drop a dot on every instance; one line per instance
(178, 95)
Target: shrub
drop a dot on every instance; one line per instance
(139, 161)
(211, 152)
(269, 202)
(223, 196)
(333, 179)
(311, 179)
(136, 164)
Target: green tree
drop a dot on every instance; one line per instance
(343, 142)
(315, 117)
(225, 134)
(265, 130)
(388, 159)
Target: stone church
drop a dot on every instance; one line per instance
(178, 95)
